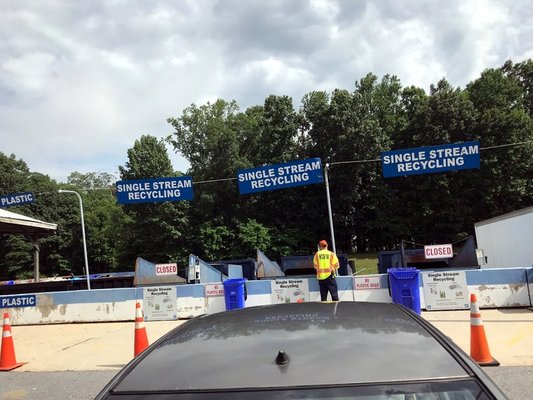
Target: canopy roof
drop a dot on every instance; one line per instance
(11, 222)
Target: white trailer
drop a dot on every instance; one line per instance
(507, 240)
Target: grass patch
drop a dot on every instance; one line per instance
(365, 263)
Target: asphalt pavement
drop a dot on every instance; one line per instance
(108, 346)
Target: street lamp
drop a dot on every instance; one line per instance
(83, 234)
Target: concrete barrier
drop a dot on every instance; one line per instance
(495, 288)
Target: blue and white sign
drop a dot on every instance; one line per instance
(427, 160)
(280, 176)
(154, 190)
(17, 199)
(28, 300)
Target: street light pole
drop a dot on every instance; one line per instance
(83, 234)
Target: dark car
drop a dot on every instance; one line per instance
(345, 350)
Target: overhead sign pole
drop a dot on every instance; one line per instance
(326, 181)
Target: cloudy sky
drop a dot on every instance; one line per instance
(81, 80)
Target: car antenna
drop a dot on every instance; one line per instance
(282, 358)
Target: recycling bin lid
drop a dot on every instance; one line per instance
(403, 273)
(235, 280)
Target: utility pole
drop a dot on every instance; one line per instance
(326, 181)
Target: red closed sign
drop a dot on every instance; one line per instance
(438, 251)
(166, 269)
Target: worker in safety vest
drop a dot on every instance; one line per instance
(326, 264)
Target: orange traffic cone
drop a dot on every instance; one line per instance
(479, 348)
(141, 340)
(8, 361)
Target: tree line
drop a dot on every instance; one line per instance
(347, 128)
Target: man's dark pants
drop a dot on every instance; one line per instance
(328, 285)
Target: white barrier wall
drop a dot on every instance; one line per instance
(497, 288)
(494, 289)
(76, 306)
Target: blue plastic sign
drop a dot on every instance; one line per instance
(17, 199)
(29, 300)
(154, 190)
(427, 160)
(280, 176)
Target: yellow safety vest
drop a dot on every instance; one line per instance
(325, 262)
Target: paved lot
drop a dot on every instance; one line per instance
(509, 332)
(109, 346)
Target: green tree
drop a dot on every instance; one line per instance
(17, 250)
(291, 210)
(203, 135)
(155, 231)
(14, 174)
(218, 140)
(344, 127)
(522, 73)
(252, 236)
(218, 242)
(503, 118)
(105, 221)
(60, 253)
(433, 204)
(208, 137)
(279, 134)
(91, 180)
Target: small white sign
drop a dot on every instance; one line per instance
(367, 282)
(438, 251)
(290, 290)
(446, 290)
(214, 289)
(160, 303)
(166, 269)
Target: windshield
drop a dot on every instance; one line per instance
(451, 390)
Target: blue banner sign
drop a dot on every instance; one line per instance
(280, 176)
(17, 199)
(154, 190)
(427, 160)
(29, 300)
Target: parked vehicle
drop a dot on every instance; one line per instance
(343, 350)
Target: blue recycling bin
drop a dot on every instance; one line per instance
(404, 285)
(234, 293)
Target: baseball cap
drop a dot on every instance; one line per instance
(323, 243)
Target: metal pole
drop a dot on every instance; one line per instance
(402, 253)
(36, 250)
(83, 234)
(326, 181)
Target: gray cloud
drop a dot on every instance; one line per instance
(80, 81)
